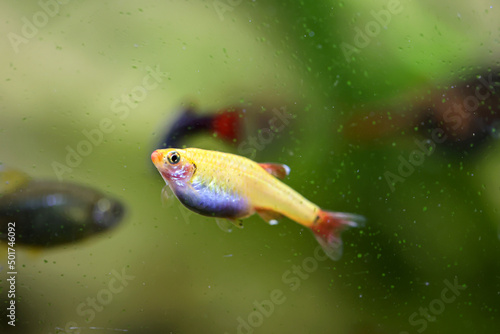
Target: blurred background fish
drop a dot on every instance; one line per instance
(51, 213)
(224, 123)
(467, 114)
(242, 129)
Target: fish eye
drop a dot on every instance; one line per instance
(173, 157)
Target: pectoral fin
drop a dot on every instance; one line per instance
(167, 196)
(277, 170)
(271, 217)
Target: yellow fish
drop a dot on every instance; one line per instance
(229, 186)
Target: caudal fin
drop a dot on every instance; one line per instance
(328, 227)
(226, 124)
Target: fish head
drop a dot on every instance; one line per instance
(174, 165)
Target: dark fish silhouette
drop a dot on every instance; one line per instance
(466, 114)
(224, 123)
(51, 213)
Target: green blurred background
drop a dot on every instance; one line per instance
(65, 73)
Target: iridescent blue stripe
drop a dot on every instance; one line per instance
(213, 201)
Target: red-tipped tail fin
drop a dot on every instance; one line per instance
(328, 227)
(226, 124)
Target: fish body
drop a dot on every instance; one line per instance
(51, 213)
(441, 112)
(229, 186)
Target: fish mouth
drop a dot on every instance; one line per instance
(157, 158)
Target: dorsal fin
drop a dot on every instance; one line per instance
(277, 170)
(12, 179)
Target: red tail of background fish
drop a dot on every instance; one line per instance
(226, 124)
(329, 226)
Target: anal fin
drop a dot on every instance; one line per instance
(271, 217)
(227, 224)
